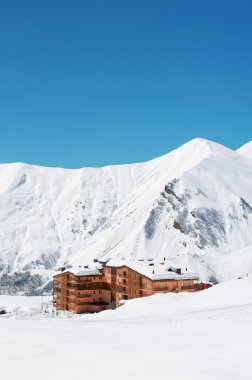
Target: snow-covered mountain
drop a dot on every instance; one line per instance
(192, 206)
(246, 149)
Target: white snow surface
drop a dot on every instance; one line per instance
(227, 294)
(18, 305)
(200, 336)
(246, 149)
(154, 269)
(192, 206)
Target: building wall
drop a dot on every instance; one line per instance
(80, 294)
(106, 291)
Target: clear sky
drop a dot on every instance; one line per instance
(90, 83)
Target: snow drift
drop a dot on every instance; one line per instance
(228, 294)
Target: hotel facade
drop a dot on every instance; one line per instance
(106, 285)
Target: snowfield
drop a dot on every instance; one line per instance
(200, 336)
(246, 149)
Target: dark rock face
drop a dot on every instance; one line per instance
(205, 226)
(24, 283)
(48, 261)
(210, 225)
(247, 209)
(153, 220)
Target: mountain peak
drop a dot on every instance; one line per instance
(211, 146)
(204, 148)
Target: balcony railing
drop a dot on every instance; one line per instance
(100, 303)
(89, 286)
(80, 281)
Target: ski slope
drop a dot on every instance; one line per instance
(196, 336)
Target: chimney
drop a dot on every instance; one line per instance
(178, 270)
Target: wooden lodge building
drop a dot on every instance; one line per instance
(104, 285)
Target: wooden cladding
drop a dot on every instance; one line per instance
(80, 294)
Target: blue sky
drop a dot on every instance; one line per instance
(90, 83)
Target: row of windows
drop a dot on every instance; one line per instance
(131, 283)
(71, 277)
(159, 286)
(130, 274)
(99, 292)
(135, 292)
(130, 291)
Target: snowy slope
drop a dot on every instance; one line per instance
(198, 336)
(246, 149)
(228, 294)
(192, 206)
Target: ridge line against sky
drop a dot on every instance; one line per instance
(239, 150)
(102, 83)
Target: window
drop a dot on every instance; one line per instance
(124, 273)
(130, 283)
(135, 292)
(135, 275)
(100, 291)
(94, 291)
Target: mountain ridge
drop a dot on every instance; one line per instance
(192, 205)
(246, 149)
(212, 146)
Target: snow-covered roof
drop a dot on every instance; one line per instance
(85, 272)
(153, 270)
(92, 269)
